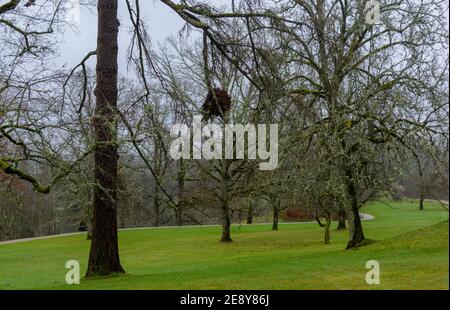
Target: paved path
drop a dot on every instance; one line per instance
(364, 217)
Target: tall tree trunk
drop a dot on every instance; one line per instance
(250, 213)
(422, 199)
(275, 219)
(179, 214)
(342, 217)
(156, 189)
(156, 204)
(327, 230)
(422, 188)
(354, 220)
(276, 212)
(104, 253)
(226, 218)
(181, 181)
(226, 223)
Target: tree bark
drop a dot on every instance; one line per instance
(421, 201)
(179, 214)
(342, 217)
(422, 187)
(156, 204)
(104, 253)
(226, 218)
(354, 220)
(250, 213)
(355, 228)
(327, 231)
(275, 218)
(226, 223)
(181, 181)
(276, 211)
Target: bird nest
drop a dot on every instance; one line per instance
(217, 104)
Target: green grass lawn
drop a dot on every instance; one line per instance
(412, 248)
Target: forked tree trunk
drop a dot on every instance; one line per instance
(355, 229)
(104, 253)
(342, 218)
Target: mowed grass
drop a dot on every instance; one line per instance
(411, 247)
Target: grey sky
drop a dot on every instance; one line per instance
(162, 22)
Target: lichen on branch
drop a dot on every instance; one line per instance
(11, 170)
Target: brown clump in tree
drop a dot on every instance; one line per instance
(217, 104)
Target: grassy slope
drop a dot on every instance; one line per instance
(411, 256)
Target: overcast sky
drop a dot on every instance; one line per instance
(161, 20)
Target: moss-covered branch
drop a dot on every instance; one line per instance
(10, 5)
(11, 170)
